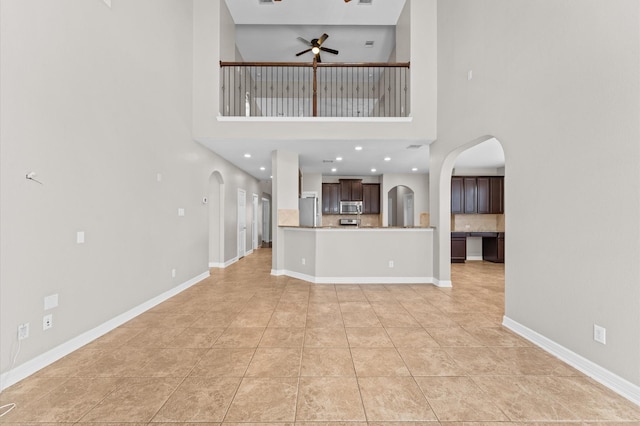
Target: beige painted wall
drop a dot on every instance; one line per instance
(97, 102)
(556, 82)
(211, 39)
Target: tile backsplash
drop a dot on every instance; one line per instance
(365, 219)
(477, 222)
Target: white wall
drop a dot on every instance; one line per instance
(97, 102)
(211, 44)
(556, 82)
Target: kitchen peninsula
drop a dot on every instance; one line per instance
(364, 255)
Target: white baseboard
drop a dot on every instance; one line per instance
(355, 280)
(442, 283)
(277, 272)
(474, 258)
(601, 375)
(26, 369)
(223, 265)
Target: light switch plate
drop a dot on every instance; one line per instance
(50, 302)
(80, 237)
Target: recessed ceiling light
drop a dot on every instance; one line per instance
(387, 158)
(373, 170)
(247, 155)
(334, 170)
(262, 168)
(271, 177)
(358, 148)
(415, 169)
(338, 158)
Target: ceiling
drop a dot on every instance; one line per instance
(268, 32)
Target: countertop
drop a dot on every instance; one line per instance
(486, 234)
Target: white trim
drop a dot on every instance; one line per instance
(318, 119)
(278, 272)
(26, 369)
(442, 283)
(474, 258)
(223, 265)
(591, 369)
(247, 253)
(355, 280)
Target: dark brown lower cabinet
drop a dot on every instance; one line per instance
(458, 247)
(493, 248)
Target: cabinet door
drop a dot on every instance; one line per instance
(371, 198)
(330, 198)
(484, 198)
(457, 195)
(458, 249)
(496, 202)
(326, 198)
(345, 190)
(470, 195)
(356, 190)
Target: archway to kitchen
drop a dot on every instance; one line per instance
(482, 157)
(216, 220)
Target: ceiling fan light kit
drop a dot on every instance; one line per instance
(315, 46)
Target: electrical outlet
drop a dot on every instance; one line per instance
(23, 331)
(391, 264)
(173, 273)
(304, 261)
(47, 321)
(599, 334)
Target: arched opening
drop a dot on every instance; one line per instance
(484, 157)
(400, 207)
(216, 220)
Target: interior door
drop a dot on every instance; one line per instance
(242, 223)
(254, 222)
(408, 210)
(266, 220)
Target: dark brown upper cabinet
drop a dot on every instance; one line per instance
(371, 198)
(477, 195)
(350, 189)
(470, 195)
(457, 195)
(330, 198)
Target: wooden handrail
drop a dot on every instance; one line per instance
(402, 67)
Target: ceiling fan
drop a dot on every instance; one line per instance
(315, 46)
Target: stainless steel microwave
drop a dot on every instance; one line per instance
(350, 207)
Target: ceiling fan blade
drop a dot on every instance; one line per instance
(326, 49)
(307, 42)
(322, 39)
(303, 52)
(318, 58)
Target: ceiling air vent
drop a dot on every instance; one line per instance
(414, 146)
(327, 161)
(365, 1)
(368, 43)
(265, 1)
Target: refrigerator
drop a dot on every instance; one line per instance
(309, 211)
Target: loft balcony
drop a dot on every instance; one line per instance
(294, 89)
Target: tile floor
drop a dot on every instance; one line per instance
(247, 347)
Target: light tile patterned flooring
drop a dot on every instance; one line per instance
(244, 346)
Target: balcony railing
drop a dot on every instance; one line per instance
(273, 89)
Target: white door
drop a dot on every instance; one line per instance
(266, 220)
(254, 222)
(242, 223)
(408, 210)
